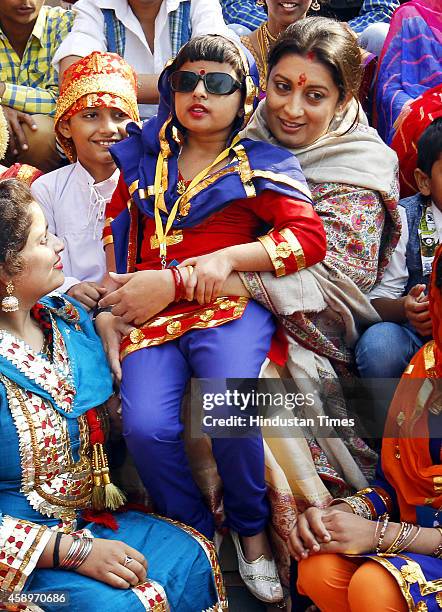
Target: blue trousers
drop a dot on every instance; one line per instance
(385, 350)
(153, 384)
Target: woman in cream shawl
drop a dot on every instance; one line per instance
(312, 109)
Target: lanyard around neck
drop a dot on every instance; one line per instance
(160, 188)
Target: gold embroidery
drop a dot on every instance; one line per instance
(410, 574)
(174, 238)
(284, 179)
(239, 306)
(187, 197)
(439, 599)
(283, 250)
(270, 247)
(421, 606)
(437, 481)
(181, 187)
(296, 247)
(245, 172)
(133, 187)
(208, 315)
(105, 83)
(136, 336)
(21, 543)
(26, 174)
(173, 328)
(429, 359)
(409, 368)
(54, 484)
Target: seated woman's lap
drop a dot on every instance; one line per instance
(185, 575)
(337, 583)
(153, 385)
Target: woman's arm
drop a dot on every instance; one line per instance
(296, 241)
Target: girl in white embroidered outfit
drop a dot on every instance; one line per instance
(97, 100)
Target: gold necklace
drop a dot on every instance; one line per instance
(266, 40)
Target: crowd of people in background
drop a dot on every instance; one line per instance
(220, 189)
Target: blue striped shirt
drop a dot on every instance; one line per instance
(244, 12)
(373, 11)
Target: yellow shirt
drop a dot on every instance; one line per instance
(32, 83)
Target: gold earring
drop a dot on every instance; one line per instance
(10, 303)
(315, 6)
(260, 2)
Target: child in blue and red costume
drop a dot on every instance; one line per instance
(193, 192)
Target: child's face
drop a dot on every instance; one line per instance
(93, 131)
(201, 112)
(20, 11)
(431, 186)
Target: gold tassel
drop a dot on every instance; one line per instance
(98, 498)
(113, 496)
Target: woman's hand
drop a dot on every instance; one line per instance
(106, 564)
(308, 533)
(209, 275)
(111, 330)
(350, 533)
(141, 295)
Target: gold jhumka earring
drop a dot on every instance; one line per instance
(10, 303)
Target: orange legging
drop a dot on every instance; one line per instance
(339, 584)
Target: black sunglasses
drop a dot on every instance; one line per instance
(218, 83)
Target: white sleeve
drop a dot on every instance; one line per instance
(87, 33)
(207, 18)
(395, 277)
(41, 191)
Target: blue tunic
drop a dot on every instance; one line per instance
(42, 430)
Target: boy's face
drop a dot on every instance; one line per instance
(19, 11)
(431, 186)
(93, 131)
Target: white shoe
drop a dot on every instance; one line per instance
(260, 576)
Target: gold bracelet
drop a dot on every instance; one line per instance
(405, 531)
(386, 518)
(407, 545)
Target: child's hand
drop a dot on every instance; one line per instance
(417, 310)
(211, 272)
(87, 293)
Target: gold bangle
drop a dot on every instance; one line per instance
(386, 518)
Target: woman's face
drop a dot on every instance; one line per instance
(286, 13)
(301, 100)
(42, 270)
(204, 113)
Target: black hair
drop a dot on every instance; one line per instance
(331, 43)
(429, 146)
(211, 48)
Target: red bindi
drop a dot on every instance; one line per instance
(302, 79)
(311, 55)
(202, 72)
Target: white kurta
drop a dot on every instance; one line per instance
(74, 207)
